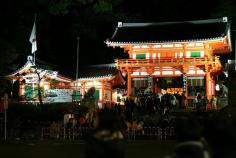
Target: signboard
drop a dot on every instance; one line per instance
(58, 95)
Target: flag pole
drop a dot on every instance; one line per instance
(77, 67)
(234, 51)
(77, 59)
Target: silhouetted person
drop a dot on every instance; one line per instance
(190, 141)
(106, 141)
(221, 135)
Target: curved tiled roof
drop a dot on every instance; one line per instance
(185, 31)
(40, 65)
(97, 71)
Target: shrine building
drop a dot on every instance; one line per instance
(35, 75)
(174, 57)
(104, 78)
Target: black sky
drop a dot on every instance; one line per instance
(58, 29)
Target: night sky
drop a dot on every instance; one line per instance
(60, 22)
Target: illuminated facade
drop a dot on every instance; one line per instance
(172, 56)
(58, 88)
(103, 78)
(54, 87)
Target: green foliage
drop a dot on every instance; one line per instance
(53, 83)
(87, 103)
(89, 99)
(31, 93)
(59, 7)
(41, 91)
(102, 6)
(90, 93)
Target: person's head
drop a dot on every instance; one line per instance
(108, 119)
(188, 129)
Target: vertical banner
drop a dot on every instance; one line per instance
(150, 84)
(184, 83)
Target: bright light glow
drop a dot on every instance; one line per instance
(190, 44)
(167, 68)
(157, 46)
(114, 96)
(107, 96)
(202, 53)
(145, 46)
(178, 45)
(226, 74)
(167, 45)
(99, 105)
(181, 54)
(41, 83)
(143, 73)
(23, 89)
(124, 74)
(178, 72)
(176, 54)
(90, 84)
(200, 72)
(46, 86)
(147, 56)
(157, 73)
(217, 87)
(163, 91)
(134, 56)
(136, 46)
(191, 72)
(154, 56)
(76, 84)
(167, 73)
(199, 44)
(209, 86)
(100, 94)
(188, 54)
(135, 73)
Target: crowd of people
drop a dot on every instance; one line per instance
(197, 137)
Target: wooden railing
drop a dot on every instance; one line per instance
(164, 62)
(147, 132)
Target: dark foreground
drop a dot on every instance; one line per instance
(58, 149)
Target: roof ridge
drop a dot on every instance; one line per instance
(205, 21)
(101, 65)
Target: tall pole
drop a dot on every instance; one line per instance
(77, 58)
(5, 102)
(77, 67)
(5, 128)
(234, 51)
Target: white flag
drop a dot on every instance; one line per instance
(33, 39)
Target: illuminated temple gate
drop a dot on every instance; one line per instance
(172, 56)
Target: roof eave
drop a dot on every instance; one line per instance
(115, 43)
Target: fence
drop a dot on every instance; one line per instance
(79, 133)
